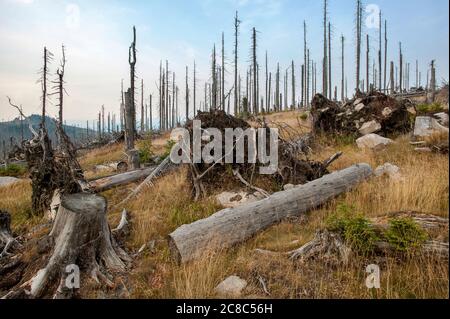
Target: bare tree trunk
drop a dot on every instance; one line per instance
(236, 33)
(267, 84)
(385, 55)
(432, 94)
(329, 60)
(342, 69)
(194, 89)
(269, 107)
(214, 80)
(380, 57)
(142, 106)
(223, 73)
(277, 89)
(255, 70)
(367, 65)
(151, 115)
(325, 52)
(358, 43)
(392, 79)
(293, 85)
(132, 62)
(133, 157)
(401, 68)
(304, 85)
(187, 94)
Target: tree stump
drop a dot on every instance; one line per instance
(81, 237)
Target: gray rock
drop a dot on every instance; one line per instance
(390, 170)
(426, 126)
(6, 180)
(370, 127)
(288, 187)
(232, 286)
(442, 118)
(373, 141)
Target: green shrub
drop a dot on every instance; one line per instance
(145, 151)
(354, 228)
(167, 148)
(303, 116)
(429, 108)
(404, 234)
(12, 170)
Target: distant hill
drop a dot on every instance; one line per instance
(14, 129)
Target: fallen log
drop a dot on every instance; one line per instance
(234, 225)
(105, 183)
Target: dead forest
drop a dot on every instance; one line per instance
(362, 179)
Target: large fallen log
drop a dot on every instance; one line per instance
(105, 183)
(234, 225)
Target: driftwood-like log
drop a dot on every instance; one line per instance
(232, 226)
(82, 237)
(105, 183)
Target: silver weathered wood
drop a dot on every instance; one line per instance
(105, 183)
(232, 226)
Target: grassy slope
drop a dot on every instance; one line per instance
(168, 205)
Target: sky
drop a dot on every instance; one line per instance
(98, 33)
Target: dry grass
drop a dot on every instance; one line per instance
(162, 208)
(102, 155)
(424, 188)
(16, 200)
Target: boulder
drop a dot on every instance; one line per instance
(232, 286)
(442, 118)
(426, 126)
(370, 127)
(373, 141)
(7, 181)
(390, 170)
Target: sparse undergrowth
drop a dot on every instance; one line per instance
(13, 170)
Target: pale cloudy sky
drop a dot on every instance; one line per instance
(97, 34)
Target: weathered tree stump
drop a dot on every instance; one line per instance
(81, 237)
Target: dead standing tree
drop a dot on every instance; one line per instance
(358, 42)
(325, 52)
(255, 78)
(130, 109)
(236, 34)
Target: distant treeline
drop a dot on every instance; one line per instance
(13, 129)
